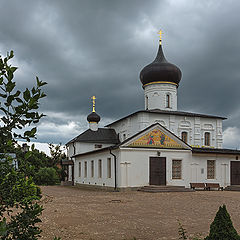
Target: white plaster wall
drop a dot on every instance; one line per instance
(198, 170)
(104, 180)
(82, 147)
(155, 96)
(134, 166)
(194, 126)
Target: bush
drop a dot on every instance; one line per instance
(46, 176)
(222, 227)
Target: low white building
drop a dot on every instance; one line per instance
(156, 146)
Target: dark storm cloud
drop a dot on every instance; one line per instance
(85, 48)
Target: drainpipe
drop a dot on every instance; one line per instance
(74, 152)
(115, 169)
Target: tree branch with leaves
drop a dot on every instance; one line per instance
(18, 110)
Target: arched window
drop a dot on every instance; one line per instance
(184, 136)
(168, 101)
(146, 102)
(207, 139)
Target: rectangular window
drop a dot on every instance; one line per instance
(79, 169)
(207, 139)
(109, 168)
(100, 168)
(184, 136)
(92, 168)
(176, 169)
(85, 169)
(210, 169)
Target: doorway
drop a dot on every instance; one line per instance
(157, 171)
(235, 173)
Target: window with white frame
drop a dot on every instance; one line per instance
(176, 169)
(168, 105)
(79, 169)
(100, 168)
(184, 136)
(109, 168)
(210, 169)
(207, 138)
(92, 168)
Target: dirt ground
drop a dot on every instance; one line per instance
(73, 213)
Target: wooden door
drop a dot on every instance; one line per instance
(235, 173)
(157, 171)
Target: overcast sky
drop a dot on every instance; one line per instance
(98, 47)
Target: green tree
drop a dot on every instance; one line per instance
(46, 176)
(57, 155)
(31, 161)
(222, 227)
(18, 109)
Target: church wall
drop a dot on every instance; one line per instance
(222, 168)
(81, 147)
(194, 126)
(96, 180)
(134, 165)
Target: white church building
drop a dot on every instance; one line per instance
(159, 145)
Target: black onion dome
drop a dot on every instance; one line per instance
(160, 70)
(93, 117)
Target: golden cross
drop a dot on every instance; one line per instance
(160, 36)
(93, 102)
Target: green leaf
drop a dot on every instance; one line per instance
(43, 95)
(11, 54)
(13, 69)
(10, 99)
(31, 133)
(17, 93)
(3, 95)
(26, 95)
(9, 75)
(40, 83)
(19, 100)
(10, 86)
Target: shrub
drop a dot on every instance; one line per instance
(222, 227)
(46, 176)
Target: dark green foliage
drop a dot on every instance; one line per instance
(46, 176)
(18, 109)
(23, 225)
(17, 192)
(222, 227)
(19, 210)
(32, 161)
(56, 155)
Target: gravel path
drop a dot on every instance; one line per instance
(72, 213)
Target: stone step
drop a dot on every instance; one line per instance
(166, 190)
(232, 188)
(163, 188)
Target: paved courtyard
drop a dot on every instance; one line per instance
(72, 213)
